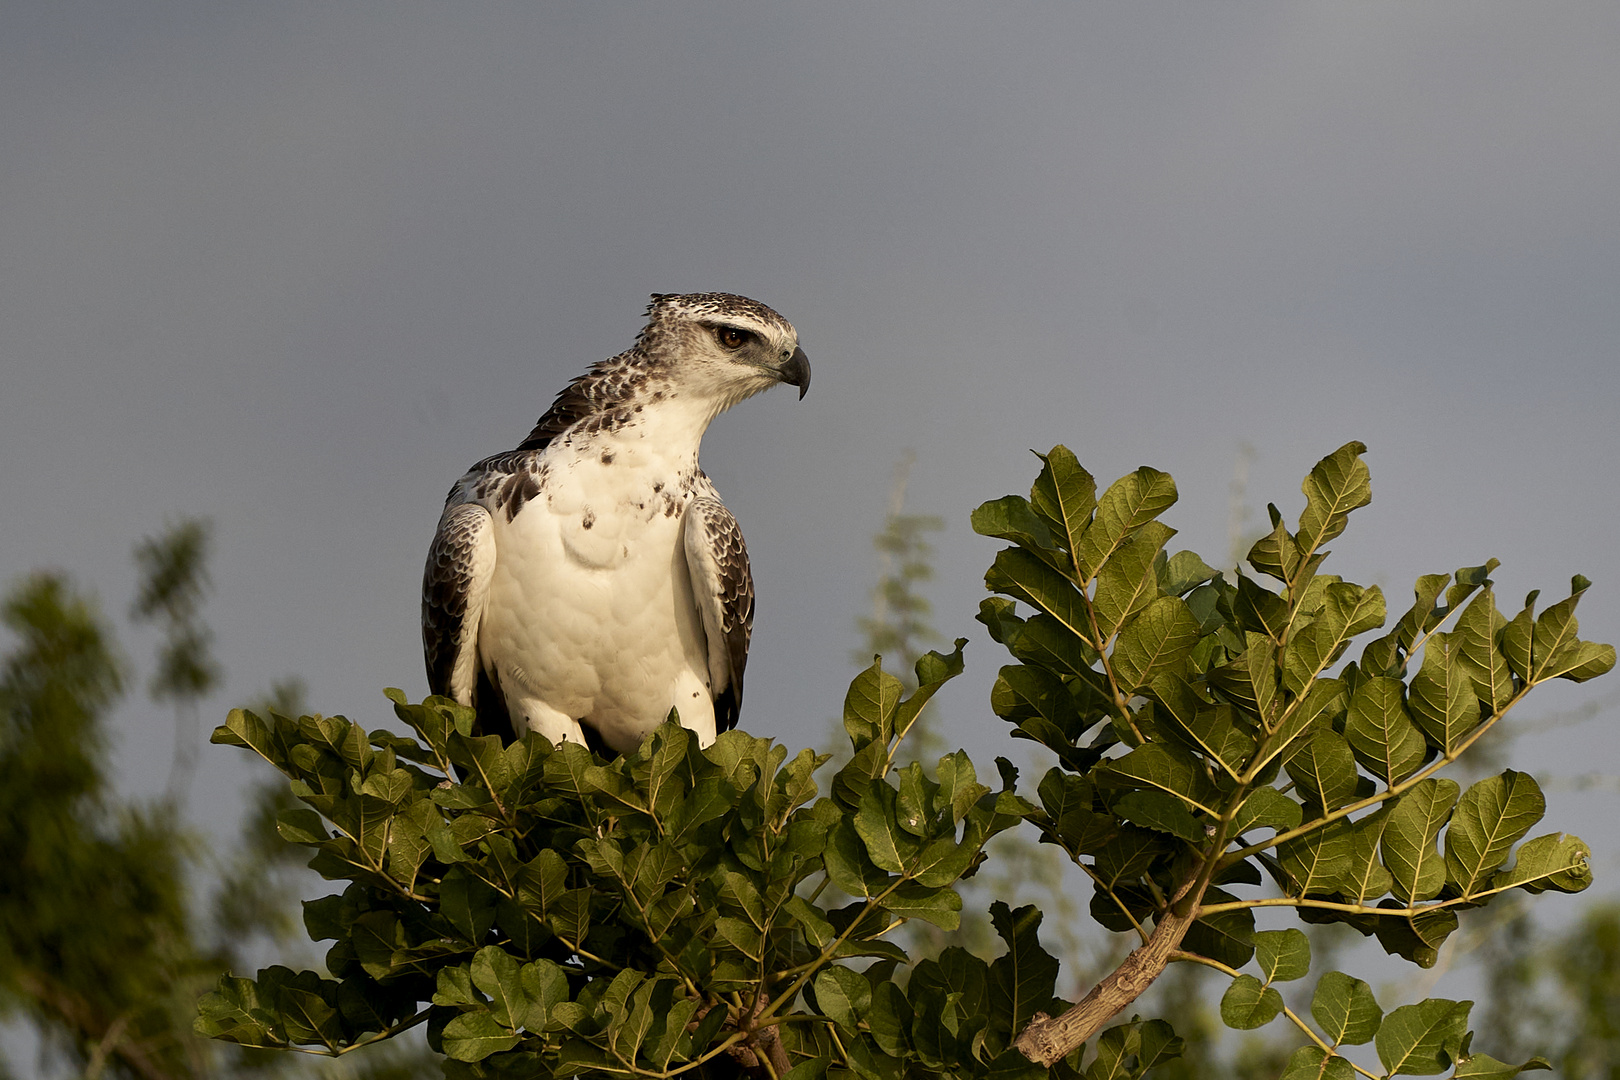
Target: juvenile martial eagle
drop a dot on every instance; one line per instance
(588, 581)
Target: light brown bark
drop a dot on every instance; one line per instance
(1047, 1039)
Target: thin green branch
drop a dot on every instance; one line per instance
(832, 946)
(1383, 796)
(1357, 909)
(386, 1033)
(630, 893)
(1194, 958)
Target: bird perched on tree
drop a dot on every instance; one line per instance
(590, 580)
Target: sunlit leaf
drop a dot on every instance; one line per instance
(1423, 1039)
(1408, 842)
(1346, 1009)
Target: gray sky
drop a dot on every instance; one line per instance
(295, 266)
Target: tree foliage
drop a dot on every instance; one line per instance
(553, 914)
(1205, 748)
(543, 912)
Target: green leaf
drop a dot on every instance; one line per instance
(473, 1036)
(1156, 642)
(1443, 699)
(1020, 574)
(1283, 955)
(1022, 979)
(232, 1012)
(1064, 495)
(1046, 643)
(1485, 1067)
(496, 974)
(870, 704)
(843, 996)
(1011, 518)
(1555, 634)
(1130, 1050)
(850, 782)
(1128, 582)
(545, 986)
(669, 1027)
(1478, 628)
(942, 907)
(809, 1069)
(1129, 503)
(1317, 859)
(1347, 610)
(1157, 1043)
(1518, 639)
(1183, 572)
(959, 787)
(242, 728)
(468, 903)
(307, 1017)
(1492, 816)
(1319, 706)
(933, 669)
(1223, 935)
(1214, 730)
(1276, 554)
(999, 615)
(1580, 661)
(1250, 680)
(943, 862)
(1247, 1004)
(650, 999)
(1314, 1063)
(1381, 733)
(1418, 937)
(1021, 692)
(1259, 610)
(889, 1019)
(301, 825)
(1365, 879)
(1128, 855)
(1160, 811)
(848, 865)
(740, 936)
(889, 846)
(1423, 1039)
(1345, 1009)
(1556, 861)
(1337, 485)
(1158, 765)
(1408, 846)
(1324, 770)
(1267, 808)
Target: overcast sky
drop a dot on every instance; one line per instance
(295, 266)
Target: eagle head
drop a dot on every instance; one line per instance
(722, 346)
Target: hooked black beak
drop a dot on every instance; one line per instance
(796, 371)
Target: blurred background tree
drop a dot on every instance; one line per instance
(114, 914)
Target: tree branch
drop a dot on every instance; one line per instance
(1047, 1039)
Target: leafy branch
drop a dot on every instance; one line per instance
(551, 913)
(1175, 702)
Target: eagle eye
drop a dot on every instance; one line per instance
(732, 337)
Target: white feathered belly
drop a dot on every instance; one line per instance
(596, 622)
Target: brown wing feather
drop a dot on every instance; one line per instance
(724, 589)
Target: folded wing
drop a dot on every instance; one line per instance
(723, 587)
